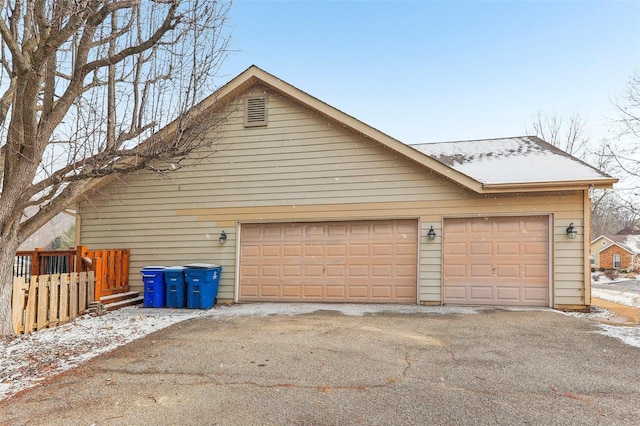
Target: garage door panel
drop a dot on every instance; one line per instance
(404, 249)
(511, 248)
(269, 290)
(481, 293)
(536, 293)
(358, 270)
(311, 250)
(478, 249)
(453, 271)
(358, 250)
(408, 271)
(508, 294)
(536, 271)
(270, 271)
(384, 271)
(335, 271)
(289, 250)
(251, 251)
(455, 293)
(498, 260)
(272, 232)
(457, 248)
(364, 261)
(290, 291)
(313, 271)
(535, 248)
(481, 271)
(508, 271)
(337, 230)
(337, 250)
(291, 270)
(480, 226)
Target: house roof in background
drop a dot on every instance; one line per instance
(632, 230)
(630, 243)
(523, 160)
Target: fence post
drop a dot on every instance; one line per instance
(35, 262)
(97, 267)
(17, 305)
(81, 253)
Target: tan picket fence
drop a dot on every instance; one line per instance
(50, 300)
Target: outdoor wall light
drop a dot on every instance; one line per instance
(572, 232)
(431, 235)
(223, 237)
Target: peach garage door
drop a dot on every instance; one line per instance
(496, 261)
(360, 261)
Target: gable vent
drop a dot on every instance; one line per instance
(256, 112)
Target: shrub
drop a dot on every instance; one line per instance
(612, 274)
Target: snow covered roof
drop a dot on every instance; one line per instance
(523, 160)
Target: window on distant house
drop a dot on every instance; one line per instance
(593, 259)
(616, 261)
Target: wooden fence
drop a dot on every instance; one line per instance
(111, 266)
(49, 300)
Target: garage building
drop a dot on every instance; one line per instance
(320, 207)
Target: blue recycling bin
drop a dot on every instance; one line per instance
(153, 279)
(202, 284)
(175, 287)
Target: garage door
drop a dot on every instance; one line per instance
(362, 261)
(497, 261)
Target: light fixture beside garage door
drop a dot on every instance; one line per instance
(572, 232)
(223, 237)
(431, 235)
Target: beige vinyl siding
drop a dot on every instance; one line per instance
(303, 167)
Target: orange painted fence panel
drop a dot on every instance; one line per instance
(112, 271)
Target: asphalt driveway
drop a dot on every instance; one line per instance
(326, 368)
(627, 286)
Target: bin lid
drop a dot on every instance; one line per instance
(202, 265)
(175, 268)
(146, 268)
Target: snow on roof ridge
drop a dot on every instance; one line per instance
(474, 140)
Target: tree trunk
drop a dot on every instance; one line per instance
(8, 250)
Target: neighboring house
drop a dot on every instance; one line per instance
(618, 251)
(320, 207)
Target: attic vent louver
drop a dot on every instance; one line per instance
(256, 112)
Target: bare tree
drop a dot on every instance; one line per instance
(610, 210)
(84, 87)
(568, 134)
(627, 151)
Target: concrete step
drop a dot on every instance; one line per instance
(120, 300)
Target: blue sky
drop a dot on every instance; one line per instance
(424, 71)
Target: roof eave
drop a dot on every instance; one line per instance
(579, 185)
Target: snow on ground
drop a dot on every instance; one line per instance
(26, 360)
(617, 296)
(623, 295)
